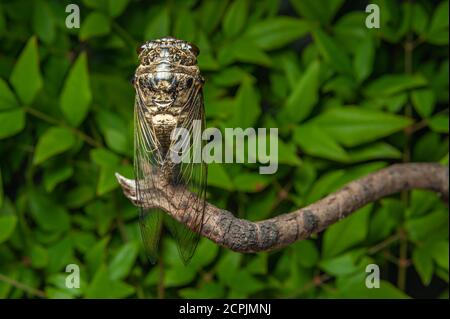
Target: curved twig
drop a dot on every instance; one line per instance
(242, 235)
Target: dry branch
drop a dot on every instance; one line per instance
(245, 236)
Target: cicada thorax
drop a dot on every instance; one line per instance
(167, 81)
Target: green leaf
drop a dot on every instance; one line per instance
(423, 101)
(385, 219)
(54, 141)
(359, 290)
(117, 7)
(60, 255)
(79, 196)
(13, 121)
(332, 53)
(304, 96)
(250, 182)
(291, 68)
(277, 32)
(206, 61)
(423, 263)
(343, 86)
(422, 202)
(306, 253)
(247, 106)
(287, 154)
(428, 227)
(305, 176)
(97, 4)
(312, 10)
(364, 59)
(2, 194)
(227, 266)
(438, 30)
(39, 256)
(322, 11)
(107, 180)
(7, 226)
(115, 131)
(123, 261)
(218, 177)
(316, 142)
(76, 94)
(243, 50)
(159, 26)
(352, 126)
(49, 215)
(83, 240)
(393, 83)
(104, 157)
(395, 103)
(55, 175)
(244, 284)
(420, 19)
(439, 123)
(7, 98)
(231, 76)
(179, 276)
(429, 147)
(346, 233)
(440, 253)
(54, 293)
(261, 208)
(96, 24)
(378, 150)
(235, 18)
(102, 214)
(3, 25)
(102, 286)
(184, 27)
(207, 290)
(109, 164)
(26, 77)
(258, 265)
(341, 265)
(96, 255)
(205, 253)
(210, 14)
(43, 21)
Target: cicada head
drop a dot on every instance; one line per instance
(168, 50)
(167, 78)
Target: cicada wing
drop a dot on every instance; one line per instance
(146, 160)
(192, 175)
(150, 223)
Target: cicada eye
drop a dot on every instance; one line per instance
(194, 49)
(189, 82)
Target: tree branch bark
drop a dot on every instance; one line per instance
(245, 236)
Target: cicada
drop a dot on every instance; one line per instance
(169, 96)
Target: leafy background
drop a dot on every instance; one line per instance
(347, 101)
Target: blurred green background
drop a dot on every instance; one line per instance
(347, 100)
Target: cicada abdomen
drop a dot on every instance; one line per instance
(168, 87)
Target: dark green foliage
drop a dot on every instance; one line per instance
(347, 101)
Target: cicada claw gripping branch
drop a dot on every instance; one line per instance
(242, 235)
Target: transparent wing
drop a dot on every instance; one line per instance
(192, 175)
(146, 160)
